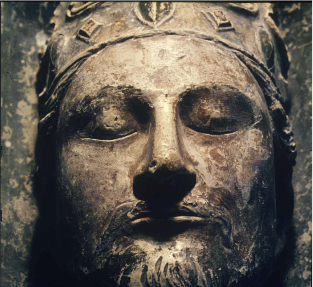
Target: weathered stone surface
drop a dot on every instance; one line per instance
(23, 36)
(295, 23)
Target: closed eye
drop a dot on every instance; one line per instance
(116, 113)
(110, 123)
(216, 111)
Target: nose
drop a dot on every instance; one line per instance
(165, 175)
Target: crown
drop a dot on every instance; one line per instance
(82, 26)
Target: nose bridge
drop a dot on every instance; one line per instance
(165, 178)
(165, 150)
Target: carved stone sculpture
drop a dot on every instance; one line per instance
(164, 151)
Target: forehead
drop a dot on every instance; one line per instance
(162, 64)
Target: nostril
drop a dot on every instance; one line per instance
(153, 163)
(153, 166)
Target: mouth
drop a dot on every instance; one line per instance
(178, 215)
(164, 223)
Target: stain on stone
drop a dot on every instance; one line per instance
(217, 156)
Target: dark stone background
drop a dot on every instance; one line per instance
(23, 39)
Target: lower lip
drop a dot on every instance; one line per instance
(175, 219)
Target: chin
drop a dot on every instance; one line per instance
(179, 264)
(176, 252)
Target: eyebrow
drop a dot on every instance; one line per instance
(210, 89)
(91, 103)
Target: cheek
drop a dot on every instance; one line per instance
(235, 161)
(253, 157)
(94, 177)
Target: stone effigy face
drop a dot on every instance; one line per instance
(164, 149)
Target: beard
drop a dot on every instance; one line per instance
(161, 252)
(216, 251)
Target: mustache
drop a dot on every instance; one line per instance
(219, 211)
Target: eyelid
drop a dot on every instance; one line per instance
(257, 120)
(110, 140)
(198, 110)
